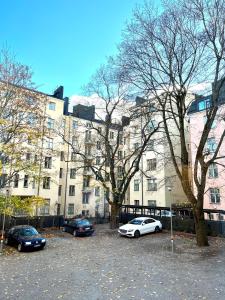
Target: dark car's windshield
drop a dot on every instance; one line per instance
(83, 222)
(28, 231)
(135, 222)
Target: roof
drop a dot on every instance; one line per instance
(22, 226)
(143, 218)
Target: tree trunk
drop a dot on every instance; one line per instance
(200, 227)
(114, 220)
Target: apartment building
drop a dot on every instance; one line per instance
(215, 189)
(151, 185)
(71, 151)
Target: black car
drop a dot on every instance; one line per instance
(24, 237)
(79, 227)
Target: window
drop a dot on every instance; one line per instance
(85, 198)
(136, 146)
(28, 156)
(99, 129)
(151, 125)
(97, 191)
(60, 190)
(204, 104)
(62, 156)
(98, 160)
(70, 209)
(49, 143)
(60, 172)
(87, 135)
(119, 183)
(136, 203)
(214, 195)
(72, 190)
(98, 145)
(35, 158)
(3, 180)
(151, 164)
(152, 185)
(152, 203)
(88, 125)
(107, 176)
(120, 171)
(136, 185)
(120, 155)
(25, 181)
(85, 212)
(152, 107)
(75, 124)
(211, 144)
(44, 210)
(73, 156)
(124, 141)
(50, 123)
(150, 145)
(46, 183)
(120, 139)
(111, 135)
(48, 162)
(16, 180)
(72, 173)
(88, 150)
(213, 170)
(51, 106)
(33, 183)
(86, 182)
(73, 140)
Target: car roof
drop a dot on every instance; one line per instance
(22, 226)
(143, 218)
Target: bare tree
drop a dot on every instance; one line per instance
(163, 54)
(106, 149)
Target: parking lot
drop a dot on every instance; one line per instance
(107, 266)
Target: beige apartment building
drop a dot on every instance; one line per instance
(156, 184)
(70, 142)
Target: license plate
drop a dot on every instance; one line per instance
(87, 228)
(36, 246)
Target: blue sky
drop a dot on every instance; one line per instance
(64, 41)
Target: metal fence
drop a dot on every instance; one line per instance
(182, 220)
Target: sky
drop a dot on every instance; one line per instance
(63, 41)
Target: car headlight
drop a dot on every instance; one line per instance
(27, 243)
(43, 240)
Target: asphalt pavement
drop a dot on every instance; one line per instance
(107, 266)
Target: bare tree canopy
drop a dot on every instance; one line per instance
(164, 54)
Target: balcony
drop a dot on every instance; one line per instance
(87, 189)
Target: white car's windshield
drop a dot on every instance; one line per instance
(135, 222)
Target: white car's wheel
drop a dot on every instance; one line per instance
(157, 229)
(137, 234)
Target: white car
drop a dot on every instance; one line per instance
(139, 226)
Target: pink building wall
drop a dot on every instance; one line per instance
(196, 127)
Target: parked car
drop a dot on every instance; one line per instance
(166, 213)
(24, 237)
(79, 227)
(139, 226)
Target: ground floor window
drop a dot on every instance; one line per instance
(214, 195)
(70, 209)
(44, 209)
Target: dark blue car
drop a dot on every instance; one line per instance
(24, 237)
(79, 227)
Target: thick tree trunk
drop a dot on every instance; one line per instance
(114, 220)
(200, 228)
